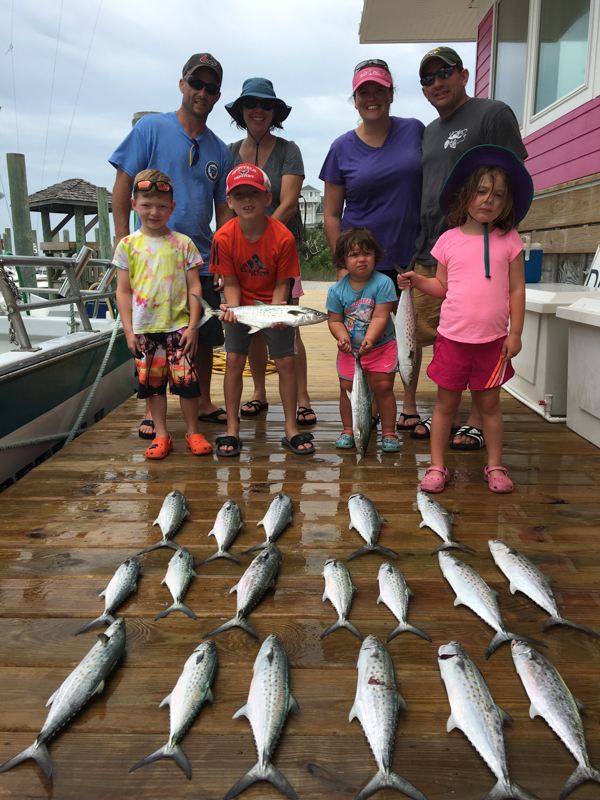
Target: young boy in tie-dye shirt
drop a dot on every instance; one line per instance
(158, 273)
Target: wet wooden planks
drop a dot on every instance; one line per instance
(66, 527)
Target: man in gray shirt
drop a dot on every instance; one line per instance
(464, 122)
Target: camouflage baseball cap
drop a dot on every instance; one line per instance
(445, 54)
(203, 60)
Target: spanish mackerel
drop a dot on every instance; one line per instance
(394, 592)
(269, 702)
(86, 680)
(170, 517)
(365, 519)
(376, 707)
(361, 400)
(179, 574)
(259, 576)
(527, 578)
(472, 591)
(474, 712)
(340, 591)
(185, 701)
(406, 339)
(120, 586)
(260, 315)
(276, 520)
(226, 527)
(439, 520)
(551, 699)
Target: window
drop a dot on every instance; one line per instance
(511, 54)
(308, 218)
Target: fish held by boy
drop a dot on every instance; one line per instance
(340, 591)
(394, 592)
(179, 574)
(262, 315)
(361, 400)
(191, 690)
(226, 527)
(365, 519)
(439, 520)
(170, 517)
(406, 339)
(276, 520)
(376, 708)
(474, 712)
(86, 680)
(120, 586)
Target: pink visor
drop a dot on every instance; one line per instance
(376, 74)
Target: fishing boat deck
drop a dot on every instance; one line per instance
(65, 528)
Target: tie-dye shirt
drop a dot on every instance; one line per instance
(157, 273)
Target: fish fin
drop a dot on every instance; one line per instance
(166, 701)
(581, 775)
(393, 781)
(260, 546)
(153, 547)
(103, 638)
(402, 702)
(234, 588)
(452, 723)
(423, 524)
(551, 621)
(458, 601)
(452, 546)
(379, 599)
(100, 688)
(155, 522)
(244, 711)
(504, 716)
(187, 512)
(212, 533)
(293, 704)
(207, 311)
(580, 705)
(494, 592)
(347, 624)
(259, 303)
(104, 619)
(164, 580)
(220, 554)
(102, 593)
(353, 714)
(507, 790)
(262, 522)
(209, 696)
(385, 550)
(52, 698)
(265, 773)
(534, 712)
(413, 629)
(349, 395)
(253, 329)
(194, 574)
(236, 622)
(498, 639)
(172, 545)
(360, 552)
(326, 596)
(336, 625)
(513, 588)
(38, 752)
(518, 638)
(174, 751)
(410, 591)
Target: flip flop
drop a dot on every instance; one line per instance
(404, 418)
(474, 433)
(160, 448)
(375, 421)
(198, 444)
(426, 423)
(150, 424)
(303, 412)
(256, 405)
(214, 416)
(298, 439)
(228, 441)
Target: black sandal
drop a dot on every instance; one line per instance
(303, 412)
(404, 418)
(295, 442)
(228, 441)
(426, 423)
(150, 424)
(256, 405)
(474, 433)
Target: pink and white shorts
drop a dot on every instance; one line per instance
(380, 359)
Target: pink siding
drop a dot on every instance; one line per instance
(484, 55)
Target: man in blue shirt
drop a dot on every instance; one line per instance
(197, 162)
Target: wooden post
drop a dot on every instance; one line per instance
(46, 226)
(8, 241)
(19, 203)
(103, 223)
(66, 236)
(79, 228)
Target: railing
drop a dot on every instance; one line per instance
(69, 293)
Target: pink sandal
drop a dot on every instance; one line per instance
(501, 484)
(435, 480)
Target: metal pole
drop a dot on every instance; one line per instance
(14, 314)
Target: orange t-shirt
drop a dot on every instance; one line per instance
(256, 265)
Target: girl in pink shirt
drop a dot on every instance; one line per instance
(481, 277)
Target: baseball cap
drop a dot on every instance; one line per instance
(372, 70)
(248, 175)
(445, 54)
(203, 60)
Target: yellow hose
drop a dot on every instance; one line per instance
(220, 357)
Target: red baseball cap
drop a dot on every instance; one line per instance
(248, 175)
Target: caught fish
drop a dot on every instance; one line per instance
(86, 680)
(260, 315)
(394, 592)
(269, 702)
(170, 517)
(472, 591)
(474, 712)
(226, 527)
(191, 690)
(179, 574)
(120, 586)
(376, 707)
(259, 576)
(439, 520)
(527, 578)
(406, 339)
(365, 519)
(339, 590)
(361, 400)
(551, 699)
(276, 520)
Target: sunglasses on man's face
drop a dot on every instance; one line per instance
(252, 102)
(198, 85)
(146, 186)
(443, 73)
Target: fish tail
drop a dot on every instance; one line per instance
(498, 639)
(347, 624)
(220, 554)
(153, 547)
(260, 546)
(582, 774)
(526, 639)
(105, 619)
(266, 772)
(360, 552)
(236, 622)
(385, 550)
(207, 311)
(168, 751)
(38, 752)
(455, 545)
(569, 624)
(176, 607)
(336, 626)
(406, 626)
(507, 790)
(393, 781)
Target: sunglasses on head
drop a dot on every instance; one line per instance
(371, 62)
(146, 186)
(198, 85)
(443, 72)
(252, 102)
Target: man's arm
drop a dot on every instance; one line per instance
(223, 214)
(121, 204)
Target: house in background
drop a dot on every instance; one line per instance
(311, 206)
(541, 57)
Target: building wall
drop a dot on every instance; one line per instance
(484, 55)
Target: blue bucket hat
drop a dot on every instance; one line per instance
(261, 88)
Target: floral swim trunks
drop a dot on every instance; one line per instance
(163, 363)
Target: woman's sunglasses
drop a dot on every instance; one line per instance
(146, 186)
(252, 102)
(198, 85)
(443, 73)
(371, 62)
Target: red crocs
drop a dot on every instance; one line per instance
(160, 447)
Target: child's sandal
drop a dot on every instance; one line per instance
(346, 440)
(160, 447)
(198, 444)
(435, 480)
(501, 484)
(390, 443)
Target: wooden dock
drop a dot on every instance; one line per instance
(66, 527)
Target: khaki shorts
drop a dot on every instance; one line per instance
(427, 309)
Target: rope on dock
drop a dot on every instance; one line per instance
(220, 358)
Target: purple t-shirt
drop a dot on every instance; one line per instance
(383, 186)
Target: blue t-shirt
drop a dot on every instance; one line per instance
(382, 185)
(358, 306)
(158, 141)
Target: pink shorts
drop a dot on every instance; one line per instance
(380, 359)
(459, 365)
(297, 290)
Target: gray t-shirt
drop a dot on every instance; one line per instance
(292, 165)
(478, 121)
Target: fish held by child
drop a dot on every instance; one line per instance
(261, 315)
(361, 400)
(406, 338)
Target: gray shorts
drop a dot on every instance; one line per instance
(280, 343)
(211, 333)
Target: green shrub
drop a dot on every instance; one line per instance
(315, 256)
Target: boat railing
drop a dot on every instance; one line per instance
(69, 294)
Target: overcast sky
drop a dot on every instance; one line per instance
(73, 73)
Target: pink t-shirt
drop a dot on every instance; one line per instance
(476, 308)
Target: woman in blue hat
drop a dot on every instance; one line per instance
(259, 112)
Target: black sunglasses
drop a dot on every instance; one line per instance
(146, 186)
(371, 62)
(252, 102)
(198, 85)
(443, 72)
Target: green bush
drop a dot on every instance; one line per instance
(315, 256)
